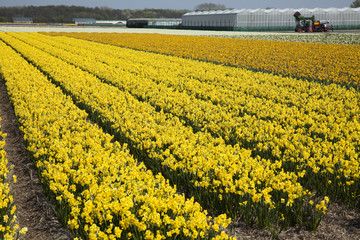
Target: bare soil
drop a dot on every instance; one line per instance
(34, 210)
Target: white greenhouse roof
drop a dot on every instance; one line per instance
(232, 11)
(305, 10)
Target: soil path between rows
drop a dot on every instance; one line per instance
(34, 210)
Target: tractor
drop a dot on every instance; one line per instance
(309, 24)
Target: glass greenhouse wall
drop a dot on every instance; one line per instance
(269, 19)
(153, 22)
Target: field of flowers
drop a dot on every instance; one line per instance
(334, 38)
(326, 63)
(265, 149)
(101, 191)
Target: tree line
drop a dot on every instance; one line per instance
(65, 14)
(355, 4)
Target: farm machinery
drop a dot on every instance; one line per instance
(309, 24)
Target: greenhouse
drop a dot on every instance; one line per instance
(153, 22)
(269, 19)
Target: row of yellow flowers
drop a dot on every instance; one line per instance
(297, 93)
(9, 229)
(223, 177)
(101, 191)
(324, 62)
(290, 122)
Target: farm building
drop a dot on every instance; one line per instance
(269, 19)
(153, 22)
(22, 20)
(110, 22)
(83, 21)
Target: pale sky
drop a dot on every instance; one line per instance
(184, 4)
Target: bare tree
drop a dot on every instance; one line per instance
(355, 4)
(209, 7)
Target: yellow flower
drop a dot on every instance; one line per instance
(13, 209)
(23, 231)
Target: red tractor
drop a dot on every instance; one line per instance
(308, 24)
